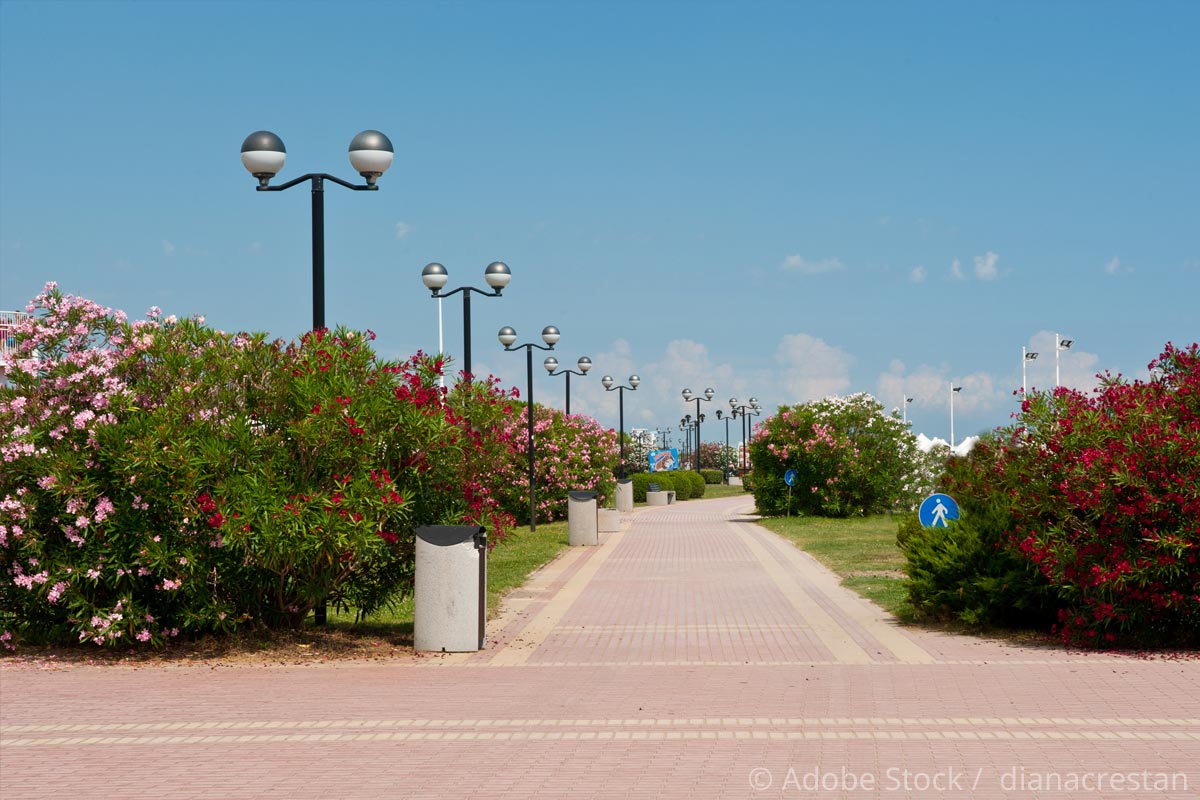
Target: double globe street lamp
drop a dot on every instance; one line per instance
(687, 397)
(263, 155)
(745, 412)
(435, 276)
(551, 364)
(609, 386)
(508, 337)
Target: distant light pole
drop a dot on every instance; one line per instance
(435, 276)
(551, 364)
(608, 382)
(687, 397)
(1026, 357)
(507, 337)
(687, 425)
(907, 400)
(665, 433)
(725, 454)
(953, 391)
(1060, 344)
(263, 155)
(745, 411)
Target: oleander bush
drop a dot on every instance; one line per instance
(850, 459)
(571, 453)
(1097, 496)
(162, 478)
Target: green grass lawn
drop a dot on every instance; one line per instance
(861, 550)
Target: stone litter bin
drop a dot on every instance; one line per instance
(608, 520)
(625, 495)
(582, 527)
(656, 497)
(450, 588)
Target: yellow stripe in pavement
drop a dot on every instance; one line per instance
(835, 638)
(518, 651)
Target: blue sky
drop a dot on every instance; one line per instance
(783, 200)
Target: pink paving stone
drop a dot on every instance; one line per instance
(681, 669)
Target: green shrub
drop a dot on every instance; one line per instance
(642, 480)
(966, 572)
(697, 483)
(713, 476)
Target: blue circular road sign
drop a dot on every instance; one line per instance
(790, 476)
(937, 511)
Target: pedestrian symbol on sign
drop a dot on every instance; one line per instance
(937, 511)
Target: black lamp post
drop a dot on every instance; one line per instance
(665, 433)
(726, 417)
(551, 364)
(435, 276)
(745, 412)
(550, 336)
(263, 155)
(608, 382)
(687, 396)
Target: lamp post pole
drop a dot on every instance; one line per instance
(507, 337)
(1026, 357)
(953, 391)
(725, 454)
(435, 277)
(551, 364)
(263, 155)
(687, 396)
(1060, 344)
(745, 411)
(907, 400)
(608, 382)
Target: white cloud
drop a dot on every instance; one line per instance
(985, 266)
(168, 248)
(403, 229)
(956, 270)
(812, 368)
(918, 274)
(1114, 267)
(797, 263)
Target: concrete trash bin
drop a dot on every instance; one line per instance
(625, 495)
(450, 588)
(582, 527)
(608, 520)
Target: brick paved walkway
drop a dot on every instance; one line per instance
(693, 655)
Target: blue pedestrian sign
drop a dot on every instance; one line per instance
(790, 476)
(937, 511)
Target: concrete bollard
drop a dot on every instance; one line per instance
(582, 527)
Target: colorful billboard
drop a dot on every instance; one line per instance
(664, 460)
